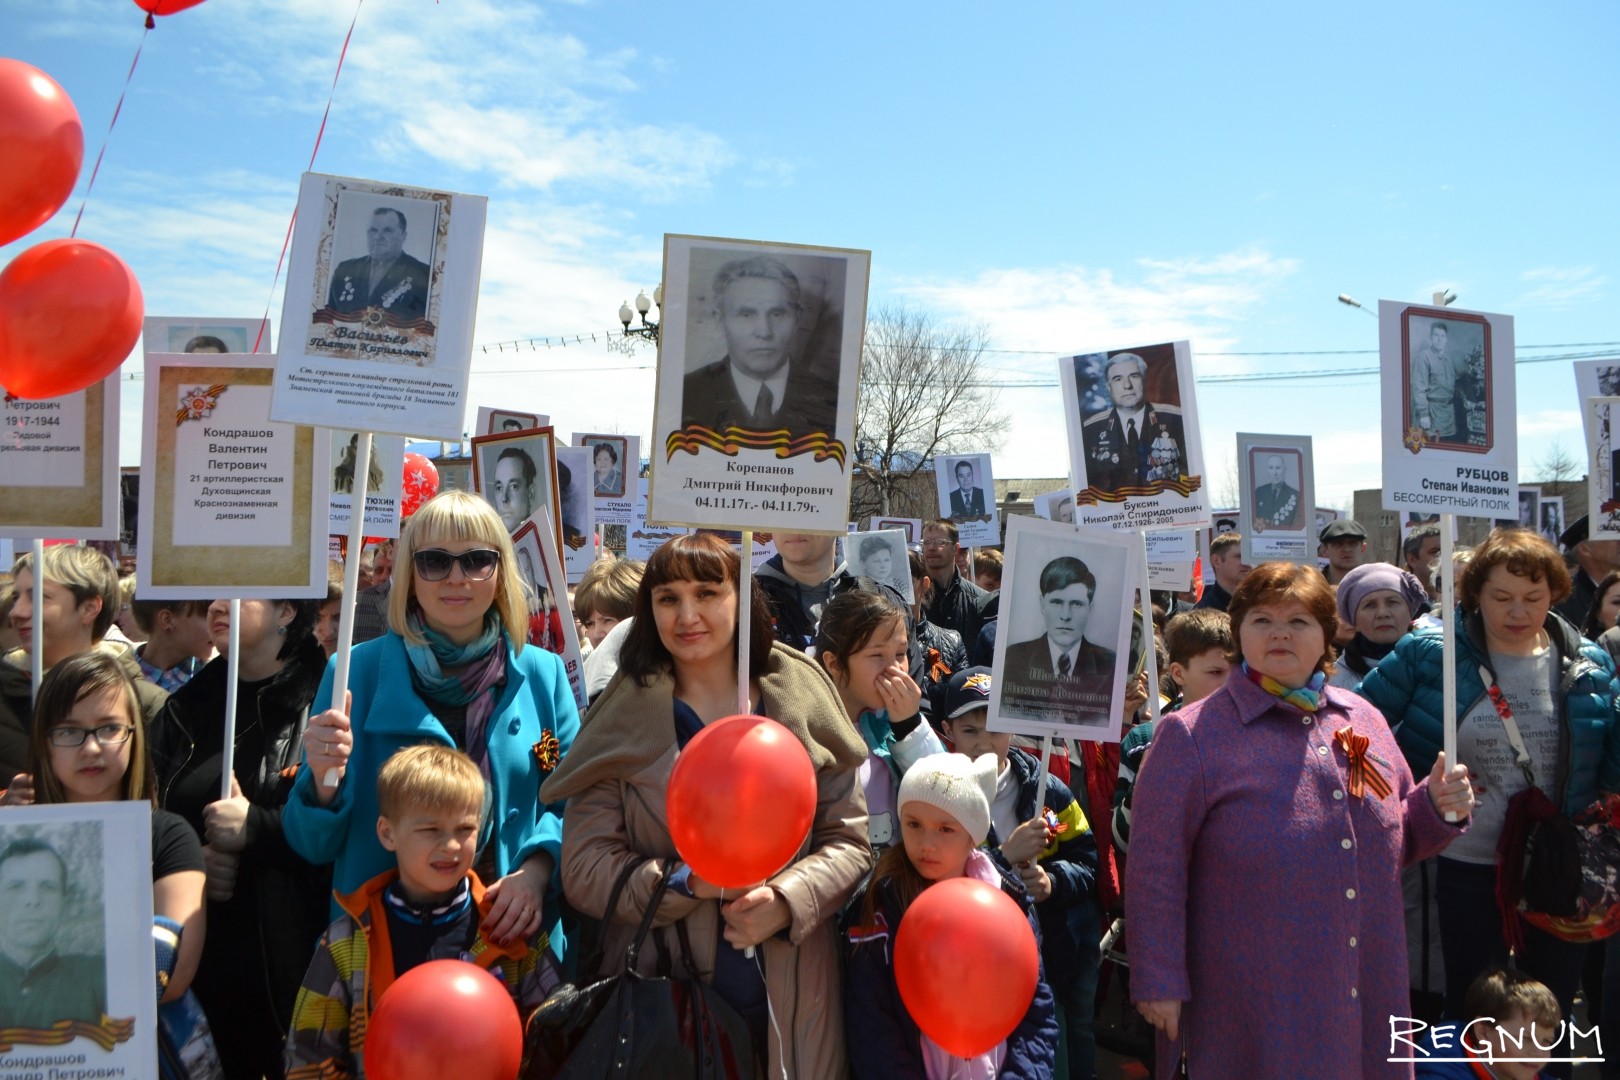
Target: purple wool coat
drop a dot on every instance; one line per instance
(1265, 897)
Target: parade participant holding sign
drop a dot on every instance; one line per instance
(1560, 692)
(266, 905)
(453, 669)
(945, 816)
(1234, 924)
(679, 671)
(89, 745)
(81, 599)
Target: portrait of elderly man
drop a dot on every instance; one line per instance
(967, 500)
(1133, 441)
(1432, 375)
(40, 986)
(1276, 503)
(1060, 675)
(385, 277)
(759, 385)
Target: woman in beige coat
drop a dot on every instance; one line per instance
(678, 671)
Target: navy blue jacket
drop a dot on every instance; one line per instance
(884, 1042)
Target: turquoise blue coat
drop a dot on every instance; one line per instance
(389, 716)
(1406, 687)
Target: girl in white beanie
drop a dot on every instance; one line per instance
(944, 807)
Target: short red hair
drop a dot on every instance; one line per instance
(1279, 583)
(1523, 552)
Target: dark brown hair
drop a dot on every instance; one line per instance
(694, 557)
(848, 624)
(1525, 553)
(1593, 627)
(1280, 582)
(1195, 632)
(1222, 543)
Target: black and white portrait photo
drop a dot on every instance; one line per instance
(967, 498)
(513, 473)
(1055, 506)
(575, 507)
(1552, 517)
(1275, 491)
(383, 253)
(52, 954)
(504, 421)
(1529, 511)
(1448, 378)
(1063, 644)
(880, 555)
(345, 447)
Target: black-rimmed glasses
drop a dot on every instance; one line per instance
(106, 735)
(476, 565)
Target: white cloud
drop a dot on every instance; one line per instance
(1558, 288)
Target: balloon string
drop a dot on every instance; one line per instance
(108, 137)
(316, 149)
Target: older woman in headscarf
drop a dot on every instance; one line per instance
(1381, 602)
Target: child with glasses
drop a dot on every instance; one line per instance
(89, 745)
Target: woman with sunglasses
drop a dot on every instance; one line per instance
(453, 668)
(264, 902)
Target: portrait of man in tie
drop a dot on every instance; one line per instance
(1060, 675)
(769, 378)
(1133, 442)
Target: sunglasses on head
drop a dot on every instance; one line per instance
(433, 564)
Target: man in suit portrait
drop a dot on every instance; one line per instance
(385, 277)
(1133, 442)
(1276, 505)
(967, 501)
(511, 489)
(759, 385)
(1060, 675)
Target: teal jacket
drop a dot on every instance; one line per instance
(1406, 686)
(389, 716)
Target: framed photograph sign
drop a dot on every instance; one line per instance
(1277, 520)
(59, 464)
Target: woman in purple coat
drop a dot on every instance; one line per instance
(1270, 826)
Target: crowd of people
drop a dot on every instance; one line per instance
(1285, 855)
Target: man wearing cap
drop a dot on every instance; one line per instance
(1344, 544)
(1589, 562)
(1060, 675)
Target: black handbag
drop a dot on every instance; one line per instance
(634, 1025)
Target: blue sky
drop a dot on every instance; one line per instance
(1075, 176)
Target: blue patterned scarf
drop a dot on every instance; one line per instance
(483, 671)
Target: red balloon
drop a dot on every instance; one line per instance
(420, 483)
(445, 1018)
(958, 934)
(164, 7)
(42, 144)
(70, 312)
(741, 799)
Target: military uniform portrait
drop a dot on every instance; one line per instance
(383, 253)
(1277, 498)
(1446, 378)
(1133, 440)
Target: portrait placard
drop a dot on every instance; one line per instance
(1063, 648)
(170, 334)
(1449, 425)
(232, 502)
(967, 498)
(1134, 449)
(515, 473)
(1551, 516)
(1055, 506)
(1529, 508)
(59, 464)
(1170, 557)
(384, 483)
(1276, 476)
(376, 328)
(615, 464)
(758, 362)
(551, 621)
(1595, 378)
(577, 506)
(499, 421)
(1603, 477)
(95, 1011)
(912, 527)
(1221, 521)
(642, 539)
(880, 555)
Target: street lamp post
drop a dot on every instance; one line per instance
(647, 329)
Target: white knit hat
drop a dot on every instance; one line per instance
(961, 788)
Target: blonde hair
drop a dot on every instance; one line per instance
(449, 516)
(86, 573)
(430, 777)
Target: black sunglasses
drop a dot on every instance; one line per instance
(476, 565)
